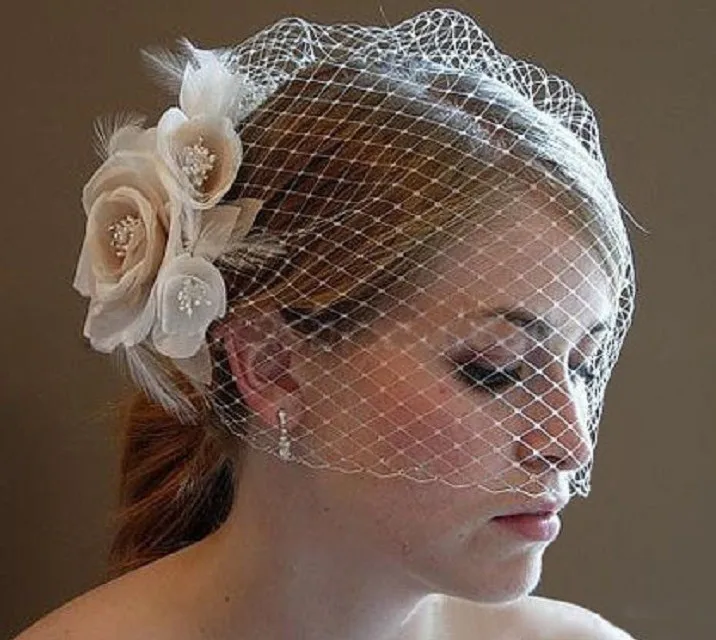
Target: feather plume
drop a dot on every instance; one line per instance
(166, 67)
(154, 377)
(248, 253)
(206, 78)
(106, 126)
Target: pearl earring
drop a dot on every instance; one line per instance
(284, 442)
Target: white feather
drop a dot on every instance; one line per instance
(166, 67)
(204, 80)
(251, 252)
(106, 126)
(152, 376)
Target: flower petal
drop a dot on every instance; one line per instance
(112, 323)
(249, 210)
(138, 170)
(202, 153)
(170, 122)
(217, 225)
(191, 294)
(177, 346)
(224, 224)
(84, 280)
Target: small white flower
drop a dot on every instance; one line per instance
(203, 154)
(190, 295)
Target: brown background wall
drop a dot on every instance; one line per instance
(639, 550)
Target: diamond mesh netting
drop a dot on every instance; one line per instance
(423, 272)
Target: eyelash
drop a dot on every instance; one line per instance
(476, 376)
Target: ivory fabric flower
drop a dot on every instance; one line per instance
(190, 295)
(203, 154)
(131, 217)
(155, 226)
(197, 140)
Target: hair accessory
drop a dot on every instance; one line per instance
(157, 220)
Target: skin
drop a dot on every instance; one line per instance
(317, 554)
(332, 555)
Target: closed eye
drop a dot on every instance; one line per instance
(476, 375)
(493, 379)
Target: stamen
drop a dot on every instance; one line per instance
(193, 293)
(121, 233)
(196, 161)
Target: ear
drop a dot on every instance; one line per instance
(262, 362)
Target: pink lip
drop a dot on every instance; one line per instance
(537, 521)
(533, 526)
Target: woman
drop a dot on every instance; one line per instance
(373, 283)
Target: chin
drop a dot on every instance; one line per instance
(514, 579)
(500, 583)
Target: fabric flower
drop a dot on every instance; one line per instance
(190, 295)
(154, 225)
(203, 154)
(130, 219)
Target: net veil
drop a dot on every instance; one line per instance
(393, 250)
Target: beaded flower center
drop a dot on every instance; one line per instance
(192, 293)
(196, 161)
(121, 233)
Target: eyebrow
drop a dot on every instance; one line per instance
(532, 324)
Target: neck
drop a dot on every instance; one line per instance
(281, 567)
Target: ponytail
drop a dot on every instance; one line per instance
(176, 485)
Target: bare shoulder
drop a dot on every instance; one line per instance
(72, 620)
(530, 618)
(107, 611)
(571, 621)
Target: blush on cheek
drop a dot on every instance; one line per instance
(426, 435)
(392, 415)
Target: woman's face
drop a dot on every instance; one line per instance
(402, 404)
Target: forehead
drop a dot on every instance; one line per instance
(534, 260)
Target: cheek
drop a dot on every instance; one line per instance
(413, 519)
(418, 425)
(438, 533)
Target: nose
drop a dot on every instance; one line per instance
(557, 436)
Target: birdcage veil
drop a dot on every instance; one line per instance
(328, 176)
